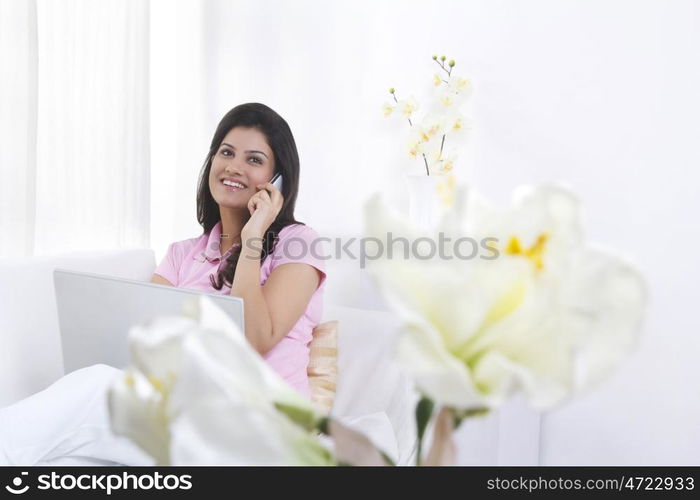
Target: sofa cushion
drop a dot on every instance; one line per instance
(323, 364)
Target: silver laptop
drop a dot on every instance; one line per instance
(95, 313)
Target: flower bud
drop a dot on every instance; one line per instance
(434, 58)
(392, 90)
(452, 63)
(442, 58)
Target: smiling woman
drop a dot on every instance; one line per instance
(251, 245)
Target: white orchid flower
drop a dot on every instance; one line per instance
(185, 367)
(407, 107)
(441, 153)
(432, 126)
(457, 126)
(445, 165)
(388, 108)
(550, 316)
(461, 85)
(444, 129)
(453, 95)
(416, 144)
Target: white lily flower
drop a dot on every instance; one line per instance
(230, 402)
(138, 411)
(185, 366)
(221, 431)
(550, 316)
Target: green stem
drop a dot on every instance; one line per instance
(424, 410)
(449, 72)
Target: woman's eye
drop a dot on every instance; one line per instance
(227, 152)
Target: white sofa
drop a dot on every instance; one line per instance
(372, 394)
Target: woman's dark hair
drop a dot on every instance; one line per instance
(281, 141)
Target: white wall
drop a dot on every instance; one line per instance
(603, 95)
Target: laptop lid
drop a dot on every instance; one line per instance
(95, 313)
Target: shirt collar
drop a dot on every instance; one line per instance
(212, 249)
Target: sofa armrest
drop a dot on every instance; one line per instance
(30, 353)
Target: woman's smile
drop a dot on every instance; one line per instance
(232, 185)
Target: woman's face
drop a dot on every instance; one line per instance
(244, 159)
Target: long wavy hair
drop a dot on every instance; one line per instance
(281, 141)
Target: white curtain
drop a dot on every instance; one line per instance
(18, 70)
(74, 161)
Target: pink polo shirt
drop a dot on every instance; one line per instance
(188, 264)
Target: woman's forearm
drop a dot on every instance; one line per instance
(246, 284)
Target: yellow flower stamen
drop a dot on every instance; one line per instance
(513, 247)
(534, 253)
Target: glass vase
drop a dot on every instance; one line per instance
(424, 203)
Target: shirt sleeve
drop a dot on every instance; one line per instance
(170, 265)
(301, 244)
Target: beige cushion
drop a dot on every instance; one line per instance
(323, 364)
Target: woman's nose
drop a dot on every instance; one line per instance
(233, 167)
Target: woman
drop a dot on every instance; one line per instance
(251, 247)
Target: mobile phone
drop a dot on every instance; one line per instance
(277, 180)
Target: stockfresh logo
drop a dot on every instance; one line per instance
(16, 488)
